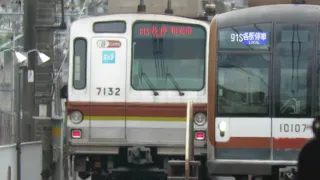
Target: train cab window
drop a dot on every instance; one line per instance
(79, 63)
(293, 61)
(168, 56)
(243, 84)
(245, 38)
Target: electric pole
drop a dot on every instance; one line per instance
(29, 21)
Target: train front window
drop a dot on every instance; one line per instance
(294, 54)
(245, 38)
(243, 84)
(165, 55)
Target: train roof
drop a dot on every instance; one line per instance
(270, 13)
(137, 16)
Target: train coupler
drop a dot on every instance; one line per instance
(139, 155)
(287, 173)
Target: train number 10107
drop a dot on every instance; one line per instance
(298, 128)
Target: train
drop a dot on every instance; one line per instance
(253, 81)
(263, 89)
(130, 76)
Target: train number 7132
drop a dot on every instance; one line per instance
(108, 91)
(297, 128)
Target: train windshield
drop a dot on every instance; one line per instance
(294, 54)
(243, 84)
(168, 54)
(250, 81)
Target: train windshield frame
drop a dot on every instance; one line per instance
(167, 54)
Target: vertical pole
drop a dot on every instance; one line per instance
(57, 147)
(29, 21)
(65, 146)
(188, 151)
(13, 86)
(18, 122)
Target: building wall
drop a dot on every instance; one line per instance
(31, 161)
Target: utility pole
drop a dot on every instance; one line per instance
(29, 21)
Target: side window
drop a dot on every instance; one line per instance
(79, 63)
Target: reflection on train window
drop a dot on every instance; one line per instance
(163, 63)
(245, 38)
(243, 85)
(294, 51)
(79, 63)
(317, 108)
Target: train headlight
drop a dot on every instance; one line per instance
(200, 119)
(222, 126)
(76, 117)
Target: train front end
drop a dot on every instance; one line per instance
(130, 78)
(263, 89)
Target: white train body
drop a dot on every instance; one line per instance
(129, 88)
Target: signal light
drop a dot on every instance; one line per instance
(200, 135)
(76, 133)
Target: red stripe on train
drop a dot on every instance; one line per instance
(289, 143)
(263, 143)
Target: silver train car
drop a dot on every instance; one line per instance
(130, 76)
(263, 89)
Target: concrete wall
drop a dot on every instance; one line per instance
(31, 161)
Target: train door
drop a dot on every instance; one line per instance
(108, 83)
(293, 66)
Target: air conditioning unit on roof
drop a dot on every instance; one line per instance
(185, 8)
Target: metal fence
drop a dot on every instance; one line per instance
(7, 128)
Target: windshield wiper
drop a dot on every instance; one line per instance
(175, 84)
(152, 87)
